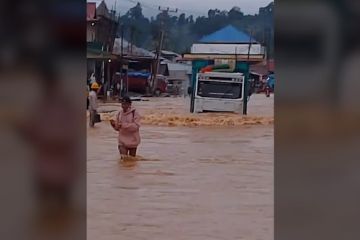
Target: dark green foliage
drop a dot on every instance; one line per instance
(182, 31)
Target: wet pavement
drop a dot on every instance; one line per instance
(188, 183)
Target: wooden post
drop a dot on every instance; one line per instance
(246, 78)
(131, 39)
(157, 63)
(250, 44)
(158, 53)
(122, 42)
(108, 78)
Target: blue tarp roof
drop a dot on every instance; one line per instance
(228, 34)
(139, 74)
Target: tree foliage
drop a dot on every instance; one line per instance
(182, 31)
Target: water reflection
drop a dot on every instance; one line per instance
(128, 162)
(187, 183)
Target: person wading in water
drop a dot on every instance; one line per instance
(127, 123)
(93, 105)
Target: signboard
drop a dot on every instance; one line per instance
(200, 48)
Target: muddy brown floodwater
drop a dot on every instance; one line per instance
(189, 183)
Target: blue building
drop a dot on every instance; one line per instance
(228, 45)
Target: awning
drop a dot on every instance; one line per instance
(242, 58)
(101, 55)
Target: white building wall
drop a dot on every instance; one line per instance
(202, 48)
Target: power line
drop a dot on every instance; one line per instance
(191, 11)
(153, 7)
(159, 49)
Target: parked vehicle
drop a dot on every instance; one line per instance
(219, 92)
(140, 81)
(175, 86)
(257, 82)
(161, 85)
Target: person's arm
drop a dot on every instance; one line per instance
(135, 125)
(116, 124)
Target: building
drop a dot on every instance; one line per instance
(102, 25)
(169, 55)
(228, 41)
(122, 46)
(90, 21)
(136, 63)
(101, 29)
(228, 46)
(178, 74)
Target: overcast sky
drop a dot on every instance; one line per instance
(190, 7)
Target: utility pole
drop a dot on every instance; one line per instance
(246, 79)
(114, 21)
(129, 42)
(122, 41)
(165, 11)
(250, 44)
(132, 30)
(157, 62)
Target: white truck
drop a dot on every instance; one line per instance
(219, 92)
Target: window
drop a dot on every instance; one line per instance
(215, 89)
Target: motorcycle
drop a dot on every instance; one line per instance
(267, 91)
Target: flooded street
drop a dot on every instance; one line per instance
(189, 183)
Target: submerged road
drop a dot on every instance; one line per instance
(189, 183)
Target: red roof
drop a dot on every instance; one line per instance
(90, 11)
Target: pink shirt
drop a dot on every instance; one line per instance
(129, 135)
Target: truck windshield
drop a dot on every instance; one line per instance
(214, 89)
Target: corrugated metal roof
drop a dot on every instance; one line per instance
(103, 10)
(169, 53)
(136, 51)
(228, 34)
(179, 67)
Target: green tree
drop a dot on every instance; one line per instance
(182, 19)
(135, 12)
(136, 26)
(190, 19)
(235, 14)
(211, 13)
(181, 32)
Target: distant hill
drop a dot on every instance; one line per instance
(181, 31)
